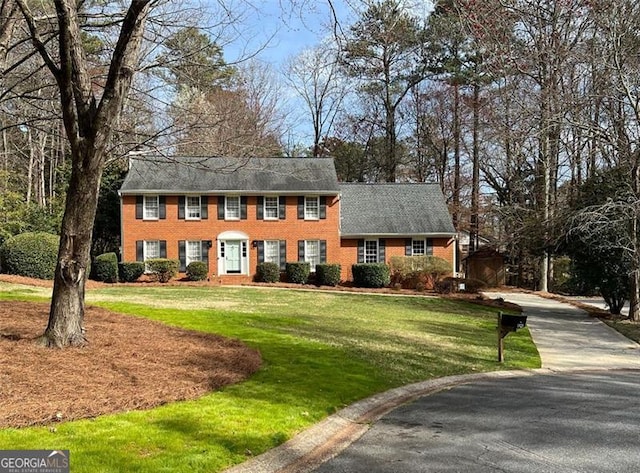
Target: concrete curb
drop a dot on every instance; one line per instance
(314, 446)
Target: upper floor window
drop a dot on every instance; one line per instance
(151, 206)
(193, 207)
(371, 251)
(312, 208)
(232, 208)
(271, 208)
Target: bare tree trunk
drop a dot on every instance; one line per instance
(475, 185)
(456, 156)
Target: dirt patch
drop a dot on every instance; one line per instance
(130, 363)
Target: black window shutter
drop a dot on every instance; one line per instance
(163, 248)
(204, 207)
(260, 251)
(282, 207)
(301, 207)
(382, 256)
(323, 207)
(300, 250)
(323, 251)
(181, 204)
(429, 248)
(360, 251)
(139, 207)
(162, 207)
(408, 247)
(243, 208)
(283, 254)
(260, 208)
(182, 255)
(206, 244)
(139, 250)
(221, 202)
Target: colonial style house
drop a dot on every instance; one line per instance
(235, 213)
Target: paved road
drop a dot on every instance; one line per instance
(580, 422)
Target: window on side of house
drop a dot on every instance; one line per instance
(192, 207)
(193, 251)
(371, 251)
(312, 253)
(232, 207)
(272, 251)
(151, 206)
(418, 248)
(271, 208)
(312, 208)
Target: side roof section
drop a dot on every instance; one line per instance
(394, 209)
(242, 175)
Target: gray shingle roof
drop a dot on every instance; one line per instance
(394, 209)
(244, 175)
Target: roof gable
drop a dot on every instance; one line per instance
(219, 175)
(394, 209)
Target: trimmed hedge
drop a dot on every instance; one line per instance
(105, 267)
(298, 272)
(267, 272)
(418, 272)
(163, 269)
(34, 255)
(327, 274)
(130, 271)
(197, 271)
(371, 275)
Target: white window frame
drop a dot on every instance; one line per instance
(413, 247)
(371, 255)
(190, 254)
(274, 209)
(272, 251)
(312, 212)
(227, 213)
(146, 254)
(309, 256)
(192, 210)
(150, 207)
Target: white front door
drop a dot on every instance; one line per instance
(233, 257)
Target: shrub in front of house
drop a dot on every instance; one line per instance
(371, 275)
(327, 274)
(130, 271)
(418, 272)
(268, 272)
(197, 271)
(163, 269)
(298, 272)
(105, 267)
(33, 255)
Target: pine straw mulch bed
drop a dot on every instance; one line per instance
(129, 363)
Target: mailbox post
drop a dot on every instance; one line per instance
(508, 323)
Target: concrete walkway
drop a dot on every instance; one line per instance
(567, 340)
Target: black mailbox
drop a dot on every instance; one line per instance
(508, 323)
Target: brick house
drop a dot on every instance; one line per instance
(235, 213)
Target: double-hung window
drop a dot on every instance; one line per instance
(151, 207)
(271, 208)
(422, 247)
(193, 251)
(312, 208)
(232, 207)
(151, 250)
(272, 251)
(192, 207)
(371, 251)
(312, 253)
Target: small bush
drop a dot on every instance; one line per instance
(197, 271)
(163, 269)
(105, 268)
(298, 272)
(268, 272)
(130, 271)
(33, 255)
(327, 274)
(418, 272)
(371, 275)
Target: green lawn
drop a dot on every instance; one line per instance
(321, 351)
